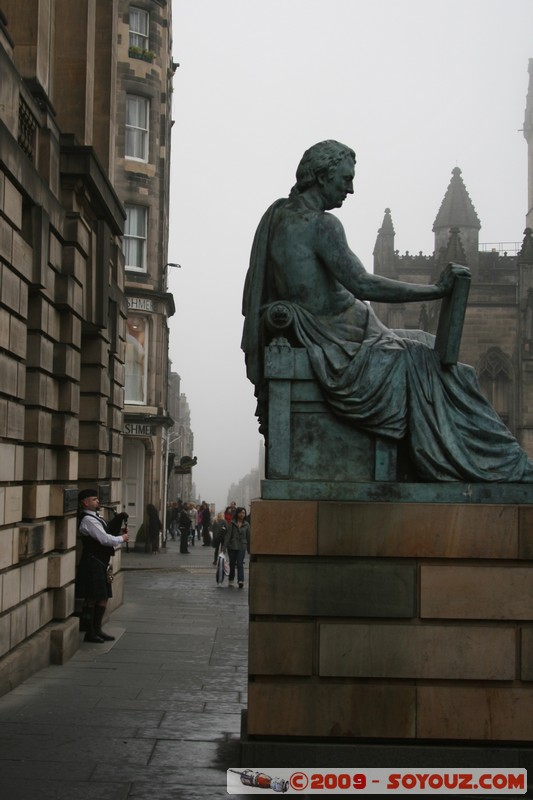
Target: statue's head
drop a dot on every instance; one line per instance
(321, 158)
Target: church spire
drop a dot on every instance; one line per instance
(387, 228)
(384, 247)
(457, 212)
(457, 209)
(525, 255)
(528, 134)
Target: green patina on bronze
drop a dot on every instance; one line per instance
(422, 416)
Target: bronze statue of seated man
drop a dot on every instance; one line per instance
(383, 381)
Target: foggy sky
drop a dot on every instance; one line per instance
(416, 87)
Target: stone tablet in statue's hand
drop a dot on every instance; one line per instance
(448, 276)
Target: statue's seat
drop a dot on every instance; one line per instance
(305, 441)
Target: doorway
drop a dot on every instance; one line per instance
(133, 485)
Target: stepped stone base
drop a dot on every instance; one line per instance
(296, 753)
(378, 625)
(56, 643)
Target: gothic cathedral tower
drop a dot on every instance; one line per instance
(528, 134)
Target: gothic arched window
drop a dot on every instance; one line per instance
(496, 379)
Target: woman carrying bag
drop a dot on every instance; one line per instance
(236, 543)
(220, 526)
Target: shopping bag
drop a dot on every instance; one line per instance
(221, 568)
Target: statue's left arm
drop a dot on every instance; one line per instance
(332, 247)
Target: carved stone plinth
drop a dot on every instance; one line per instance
(381, 629)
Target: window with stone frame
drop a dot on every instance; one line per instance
(136, 366)
(496, 380)
(135, 237)
(139, 28)
(137, 127)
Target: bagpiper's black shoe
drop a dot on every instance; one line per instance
(106, 636)
(93, 638)
(99, 612)
(92, 627)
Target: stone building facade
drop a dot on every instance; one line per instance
(142, 180)
(498, 333)
(528, 135)
(66, 298)
(249, 487)
(180, 445)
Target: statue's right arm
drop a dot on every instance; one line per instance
(332, 247)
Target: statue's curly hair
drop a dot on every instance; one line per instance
(321, 157)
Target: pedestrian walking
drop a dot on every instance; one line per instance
(236, 544)
(172, 519)
(229, 513)
(206, 524)
(154, 528)
(184, 525)
(220, 526)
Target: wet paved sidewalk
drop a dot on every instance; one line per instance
(154, 715)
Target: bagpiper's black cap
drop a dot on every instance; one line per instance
(85, 493)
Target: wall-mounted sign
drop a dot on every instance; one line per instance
(135, 429)
(141, 303)
(70, 497)
(185, 466)
(70, 500)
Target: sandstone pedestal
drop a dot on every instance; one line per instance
(390, 633)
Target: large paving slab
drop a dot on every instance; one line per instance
(154, 715)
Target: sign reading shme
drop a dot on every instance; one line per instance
(134, 429)
(377, 781)
(140, 303)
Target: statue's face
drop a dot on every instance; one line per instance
(338, 183)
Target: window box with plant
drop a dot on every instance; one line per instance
(137, 52)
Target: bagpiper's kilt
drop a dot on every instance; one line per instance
(91, 579)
